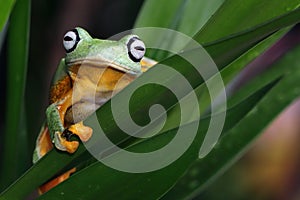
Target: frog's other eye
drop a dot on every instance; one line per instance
(70, 41)
(136, 49)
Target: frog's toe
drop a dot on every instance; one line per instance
(71, 146)
(61, 142)
(83, 132)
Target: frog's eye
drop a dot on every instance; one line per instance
(70, 41)
(136, 49)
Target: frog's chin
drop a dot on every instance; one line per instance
(125, 69)
(105, 64)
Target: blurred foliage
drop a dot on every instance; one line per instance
(16, 140)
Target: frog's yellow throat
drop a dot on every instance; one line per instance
(105, 78)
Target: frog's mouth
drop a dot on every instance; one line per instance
(104, 63)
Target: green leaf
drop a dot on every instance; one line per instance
(101, 178)
(227, 73)
(40, 173)
(226, 50)
(5, 10)
(186, 16)
(236, 16)
(165, 12)
(222, 24)
(195, 15)
(15, 129)
(232, 70)
(237, 140)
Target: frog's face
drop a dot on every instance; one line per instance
(124, 55)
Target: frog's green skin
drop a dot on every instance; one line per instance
(100, 65)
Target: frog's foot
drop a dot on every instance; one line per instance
(71, 146)
(83, 132)
(62, 142)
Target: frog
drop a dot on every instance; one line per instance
(94, 69)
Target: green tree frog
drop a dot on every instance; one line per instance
(96, 66)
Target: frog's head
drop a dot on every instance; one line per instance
(124, 55)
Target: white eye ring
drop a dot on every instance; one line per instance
(136, 49)
(70, 40)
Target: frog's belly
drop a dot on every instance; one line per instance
(80, 111)
(92, 89)
(85, 103)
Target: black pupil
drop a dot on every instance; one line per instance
(68, 38)
(139, 48)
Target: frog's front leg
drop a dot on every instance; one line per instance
(56, 129)
(56, 122)
(83, 132)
